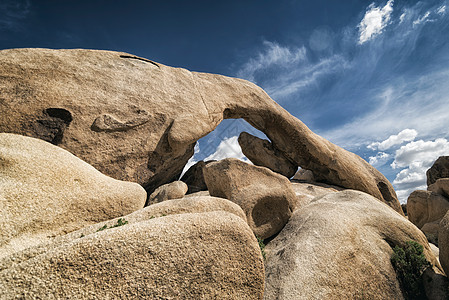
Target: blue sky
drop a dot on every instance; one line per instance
(370, 76)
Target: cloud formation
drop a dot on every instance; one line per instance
(228, 147)
(374, 21)
(405, 135)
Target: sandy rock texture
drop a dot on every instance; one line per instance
(45, 191)
(262, 153)
(138, 120)
(339, 247)
(443, 242)
(158, 258)
(267, 198)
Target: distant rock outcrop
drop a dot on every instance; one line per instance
(339, 247)
(439, 169)
(426, 208)
(266, 197)
(138, 120)
(45, 192)
(262, 153)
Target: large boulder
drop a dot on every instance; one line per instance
(210, 255)
(425, 209)
(138, 120)
(266, 197)
(439, 169)
(173, 190)
(45, 191)
(440, 187)
(339, 247)
(443, 242)
(262, 153)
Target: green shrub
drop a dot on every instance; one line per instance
(409, 263)
(120, 222)
(261, 246)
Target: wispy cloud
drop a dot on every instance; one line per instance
(423, 19)
(374, 21)
(441, 10)
(12, 13)
(228, 147)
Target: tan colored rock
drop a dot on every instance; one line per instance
(439, 169)
(426, 207)
(306, 192)
(210, 255)
(339, 247)
(304, 175)
(262, 153)
(138, 120)
(194, 177)
(443, 242)
(193, 204)
(169, 191)
(440, 187)
(201, 193)
(46, 191)
(266, 197)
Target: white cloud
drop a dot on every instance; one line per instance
(374, 21)
(380, 159)
(274, 54)
(402, 18)
(441, 10)
(405, 135)
(416, 158)
(422, 20)
(229, 147)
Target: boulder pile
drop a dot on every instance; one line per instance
(92, 145)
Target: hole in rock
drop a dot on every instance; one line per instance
(222, 142)
(59, 113)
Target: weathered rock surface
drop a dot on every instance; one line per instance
(439, 169)
(169, 191)
(306, 192)
(304, 175)
(159, 258)
(138, 120)
(46, 191)
(440, 187)
(262, 153)
(193, 204)
(426, 207)
(443, 242)
(266, 197)
(194, 177)
(339, 247)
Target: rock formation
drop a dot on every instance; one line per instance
(45, 191)
(443, 242)
(137, 120)
(262, 153)
(266, 197)
(194, 177)
(173, 190)
(439, 169)
(159, 258)
(426, 208)
(339, 247)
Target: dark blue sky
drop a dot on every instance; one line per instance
(357, 72)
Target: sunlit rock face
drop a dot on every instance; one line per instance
(138, 120)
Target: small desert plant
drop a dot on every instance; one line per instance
(120, 222)
(261, 246)
(409, 263)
